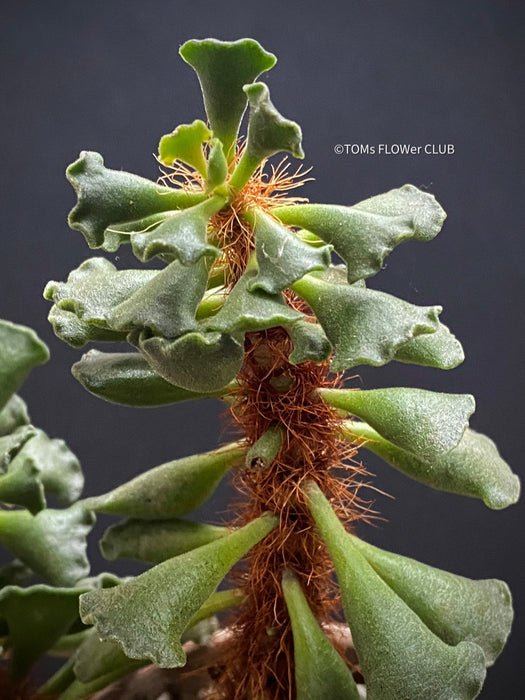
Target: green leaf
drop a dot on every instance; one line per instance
(172, 489)
(246, 310)
(36, 617)
(400, 656)
(198, 362)
(20, 350)
(364, 326)
(363, 235)
(309, 342)
(426, 423)
(473, 468)
(127, 378)
(12, 443)
(42, 467)
(264, 450)
(217, 166)
(440, 349)
(282, 258)
(156, 540)
(181, 237)
(223, 67)
(320, 672)
(14, 574)
(185, 144)
(108, 198)
(52, 543)
(166, 304)
(148, 615)
(13, 415)
(95, 288)
(69, 328)
(455, 608)
(268, 133)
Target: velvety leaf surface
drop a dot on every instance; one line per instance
(363, 325)
(223, 67)
(95, 288)
(166, 304)
(309, 342)
(36, 617)
(185, 144)
(111, 197)
(198, 362)
(427, 424)
(455, 608)
(148, 615)
(320, 672)
(217, 166)
(263, 452)
(363, 235)
(69, 328)
(11, 444)
(156, 540)
(14, 415)
(400, 656)
(440, 349)
(268, 131)
(172, 489)
(473, 468)
(282, 257)
(181, 236)
(52, 543)
(127, 378)
(20, 350)
(246, 310)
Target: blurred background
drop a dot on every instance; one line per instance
(106, 76)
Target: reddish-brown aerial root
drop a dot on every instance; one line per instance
(258, 662)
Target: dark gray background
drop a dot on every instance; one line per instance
(106, 76)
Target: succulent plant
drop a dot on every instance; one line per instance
(260, 298)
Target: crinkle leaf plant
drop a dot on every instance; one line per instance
(261, 300)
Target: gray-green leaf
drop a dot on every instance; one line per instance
(426, 423)
(20, 350)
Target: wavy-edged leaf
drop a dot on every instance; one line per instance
(156, 540)
(112, 197)
(11, 444)
(400, 656)
(282, 257)
(246, 310)
(52, 543)
(320, 672)
(172, 489)
(69, 328)
(363, 235)
(20, 350)
(473, 468)
(455, 608)
(309, 342)
(148, 615)
(364, 326)
(36, 617)
(185, 144)
(167, 303)
(427, 424)
(127, 378)
(94, 289)
(268, 133)
(13, 415)
(181, 236)
(198, 362)
(42, 467)
(223, 67)
(15, 573)
(440, 349)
